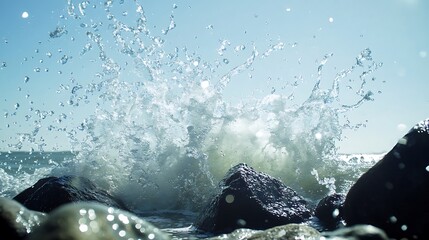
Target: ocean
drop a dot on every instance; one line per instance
(149, 120)
(20, 170)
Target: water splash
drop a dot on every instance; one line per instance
(161, 134)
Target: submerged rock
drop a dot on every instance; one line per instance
(329, 209)
(254, 200)
(393, 194)
(52, 192)
(357, 232)
(285, 232)
(16, 221)
(94, 221)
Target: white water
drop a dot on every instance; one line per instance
(161, 133)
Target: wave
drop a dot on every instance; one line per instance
(162, 135)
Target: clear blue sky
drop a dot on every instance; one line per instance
(396, 31)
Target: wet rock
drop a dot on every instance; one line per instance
(16, 221)
(357, 232)
(241, 233)
(254, 200)
(285, 232)
(52, 192)
(94, 221)
(288, 232)
(393, 194)
(329, 209)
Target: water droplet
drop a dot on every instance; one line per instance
(365, 55)
(36, 69)
(242, 222)
(239, 48)
(223, 46)
(225, 60)
(288, 9)
(64, 59)
(335, 213)
(58, 32)
(229, 198)
(331, 19)
(16, 106)
(3, 65)
(83, 227)
(25, 15)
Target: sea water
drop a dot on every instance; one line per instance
(19, 170)
(152, 124)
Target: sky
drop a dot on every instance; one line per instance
(35, 69)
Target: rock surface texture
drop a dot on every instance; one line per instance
(52, 192)
(329, 210)
(16, 221)
(94, 221)
(254, 200)
(394, 194)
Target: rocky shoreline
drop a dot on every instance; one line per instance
(389, 201)
(94, 221)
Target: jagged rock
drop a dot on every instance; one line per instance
(284, 232)
(94, 221)
(16, 221)
(357, 232)
(52, 192)
(329, 209)
(393, 194)
(254, 200)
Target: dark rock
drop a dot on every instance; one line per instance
(249, 199)
(357, 232)
(393, 195)
(329, 209)
(52, 192)
(94, 221)
(16, 221)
